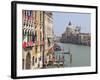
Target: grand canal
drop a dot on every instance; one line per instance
(80, 55)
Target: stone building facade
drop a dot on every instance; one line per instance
(48, 23)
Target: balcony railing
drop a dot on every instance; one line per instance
(31, 44)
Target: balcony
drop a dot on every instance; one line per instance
(30, 44)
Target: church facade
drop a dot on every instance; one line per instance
(73, 35)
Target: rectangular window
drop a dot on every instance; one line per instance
(36, 49)
(41, 47)
(33, 60)
(23, 63)
(40, 58)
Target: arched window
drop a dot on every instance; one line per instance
(28, 36)
(24, 32)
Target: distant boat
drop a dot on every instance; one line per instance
(56, 47)
(66, 52)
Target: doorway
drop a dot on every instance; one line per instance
(28, 61)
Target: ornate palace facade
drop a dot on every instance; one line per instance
(35, 38)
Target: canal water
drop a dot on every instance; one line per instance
(81, 55)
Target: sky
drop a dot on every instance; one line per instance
(61, 20)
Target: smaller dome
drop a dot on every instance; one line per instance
(69, 23)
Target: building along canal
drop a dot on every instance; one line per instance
(80, 55)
